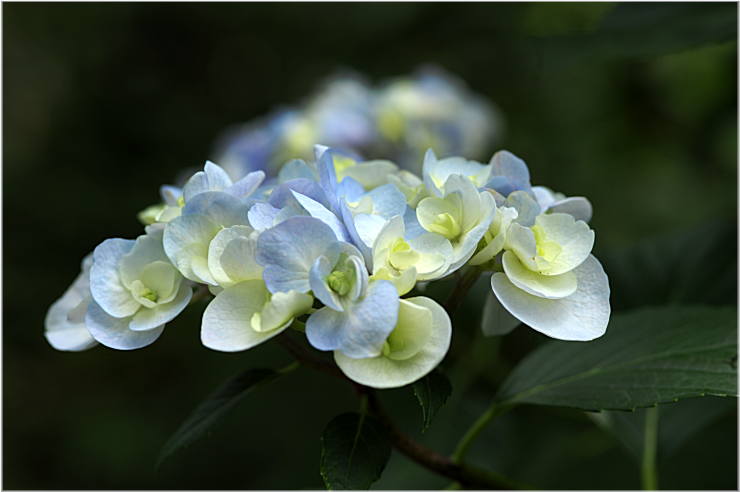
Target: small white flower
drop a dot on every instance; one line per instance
(65, 320)
(135, 291)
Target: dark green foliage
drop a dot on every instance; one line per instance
(214, 407)
(679, 422)
(354, 452)
(646, 357)
(696, 266)
(432, 392)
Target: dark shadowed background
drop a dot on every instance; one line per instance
(632, 105)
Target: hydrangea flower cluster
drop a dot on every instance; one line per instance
(337, 248)
(399, 120)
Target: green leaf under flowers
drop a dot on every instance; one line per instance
(432, 392)
(354, 451)
(647, 357)
(678, 423)
(216, 405)
(697, 265)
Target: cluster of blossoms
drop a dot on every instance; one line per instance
(400, 120)
(334, 247)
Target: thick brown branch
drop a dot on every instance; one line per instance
(428, 458)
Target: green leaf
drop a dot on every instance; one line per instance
(646, 357)
(697, 266)
(432, 392)
(642, 30)
(354, 451)
(678, 423)
(216, 405)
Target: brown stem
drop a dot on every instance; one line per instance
(466, 475)
(426, 457)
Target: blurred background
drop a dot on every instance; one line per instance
(631, 105)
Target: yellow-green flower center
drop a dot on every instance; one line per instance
(548, 250)
(446, 225)
(339, 282)
(150, 294)
(401, 256)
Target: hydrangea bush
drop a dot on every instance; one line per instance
(342, 250)
(332, 257)
(398, 119)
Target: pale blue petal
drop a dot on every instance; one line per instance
(262, 216)
(527, 207)
(288, 251)
(388, 201)
(411, 223)
(247, 185)
(317, 279)
(368, 227)
(105, 284)
(354, 235)
(508, 173)
(170, 195)
(317, 210)
(362, 329)
(212, 178)
(297, 168)
(328, 178)
(319, 150)
(545, 196)
(115, 333)
(283, 194)
(350, 190)
(360, 276)
(221, 208)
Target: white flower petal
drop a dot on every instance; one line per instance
(105, 284)
(282, 308)
(577, 206)
(115, 333)
(435, 253)
(583, 315)
(152, 318)
(547, 286)
(147, 249)
(227, 319)
(574, 237)
(232, 256)
(186, 241)
(65, 320)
